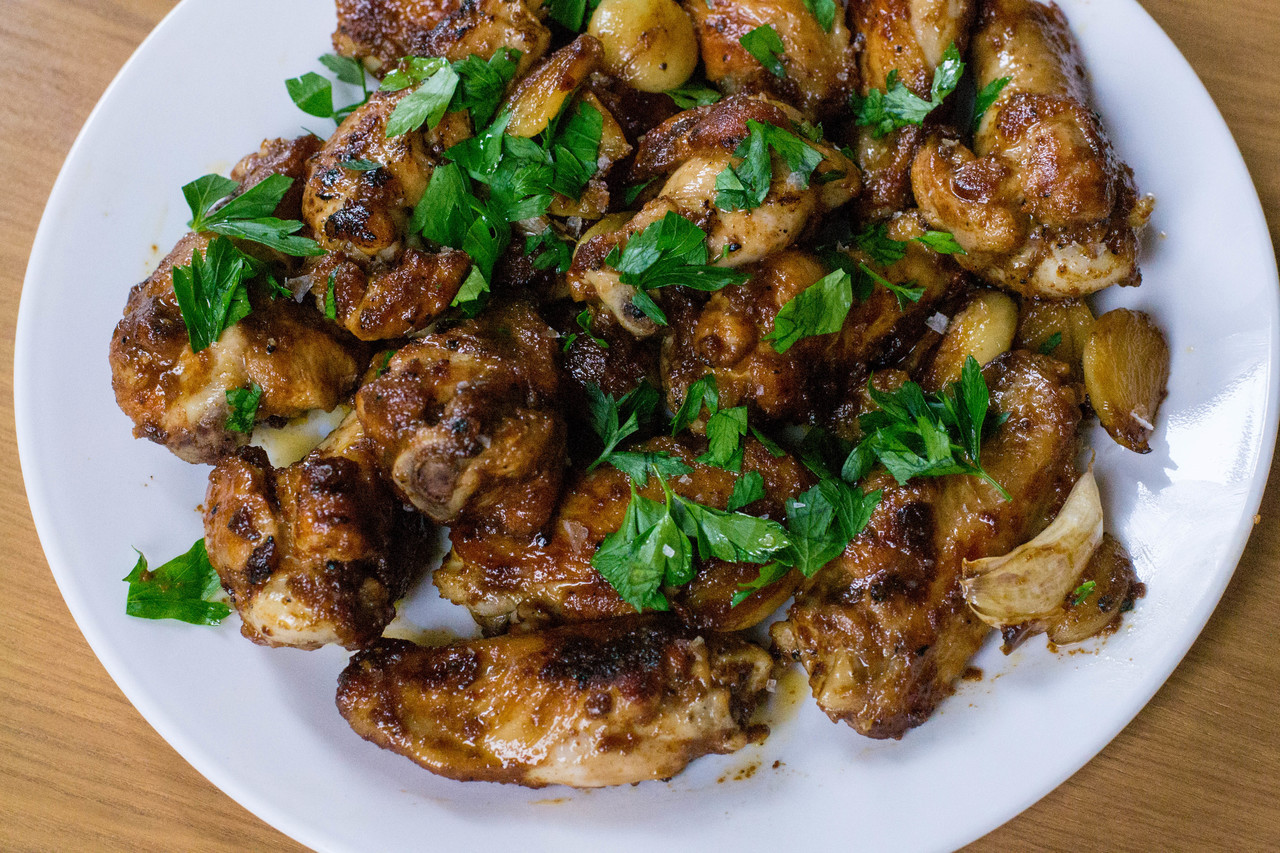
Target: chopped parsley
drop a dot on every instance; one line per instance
(248, 216)
(549, 251)
(330, 298)
(748, 489)
(823, 11)
(766, 46)
(433, 81)
(313, 94)
(692, 95)
(181, 589)
(819, 309)
(897, 106)
(584, 323)
(211, 291)
(244, 407)
(1051, 343)
(986, 98)
(360, 165)
(914, 434)
(1082, 592)
(668, 252)
(614, 421)
(745, 186)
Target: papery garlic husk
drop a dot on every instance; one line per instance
(1031, 581)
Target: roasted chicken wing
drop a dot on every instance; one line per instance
(466, 422)
(315, 553)
(504, 579)
(819, 65)
(1041, 205)
(694, 147)
(381, 32)
(908, 37)
(884, 631)
(602, 703)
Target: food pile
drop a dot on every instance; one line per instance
(672, 314)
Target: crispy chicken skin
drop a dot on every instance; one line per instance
(590, 705)
(821, 67)
(884, 631)
(315, 553)
(693, 148)
(1042, 205)
(466, 421)
(377, 301)
(907, 36)
(367, 212)
(176, 397)
(381, 32)
(503, 579)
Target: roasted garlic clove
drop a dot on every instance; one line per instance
(1126, 372)
(983, 329)
(648, 44)
(1060, 329)
(1107, 587)
(1029, 583)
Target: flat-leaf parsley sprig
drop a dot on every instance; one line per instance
(897, 106)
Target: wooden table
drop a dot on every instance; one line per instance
(1199, 769)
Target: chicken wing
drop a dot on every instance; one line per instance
(466, 423)
(820, 65)
(177, 397)
(505, 579)
(694, 147)
(315, 553)
(602, 703)
(908, 37)
(381, 32)
(366, 211)
(1041, 205)
(884, 631)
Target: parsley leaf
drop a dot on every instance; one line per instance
(481, 84)
(748, 489)
(576, 148)
(473, 295)
(823, 11)
(819, 309)
(211, 291)
(876, 242)
(690, 95)
(942, 242)
(180, 589)
(917, 435)
(345, 68)
(248, 215)
(616, 420)
(313, 94)
(766, 46)
(700, 393)
(668, 252)
(725, 431)
(571, 14)
(435, 82)
(549, 251)
(731, 536)
(637, 464)
(745, 186)
(988, 96)
(584, 323)
(897, 106)
(904, 292)
(330, 298)
(1082, 592)
(360, 165)
(639, 555)
(1051, 343)
(244, 407)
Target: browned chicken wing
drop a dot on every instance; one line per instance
(821, 68)
(694, 147)
(315, 553)
(466, 421)
(602, 703)
(502, 578)
(1041, 205)
(177, 397)
(884, 631)
(380, 32)
(909, 37)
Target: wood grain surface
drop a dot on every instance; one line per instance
(1199, 769)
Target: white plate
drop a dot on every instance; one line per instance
(260, 723)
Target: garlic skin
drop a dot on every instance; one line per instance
(1030, 582)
